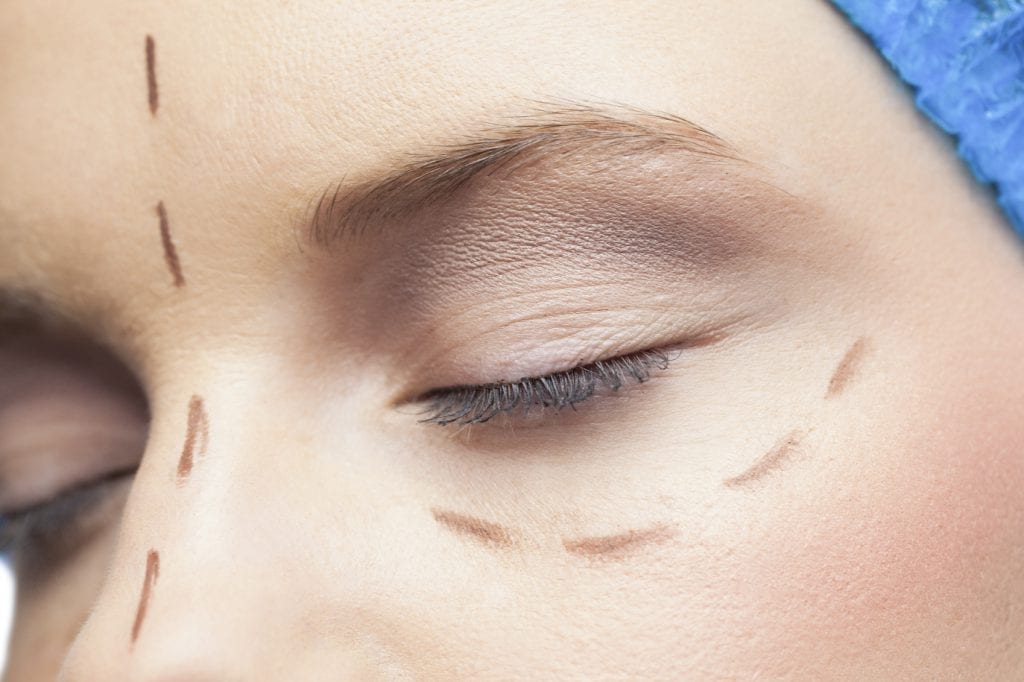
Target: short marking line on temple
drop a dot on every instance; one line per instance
(170, 252)
(771, 461)
(620, 545)
(847, 368)
(483, 531)
(151, 85)
(152, 573)
(197, 436)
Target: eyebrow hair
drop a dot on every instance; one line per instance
(552, 131)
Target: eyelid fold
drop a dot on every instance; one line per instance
(476, 404)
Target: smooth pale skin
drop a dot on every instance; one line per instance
(303, 547)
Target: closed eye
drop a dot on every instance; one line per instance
(476, 404)
(58, 525)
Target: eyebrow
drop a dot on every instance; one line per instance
(590, 132)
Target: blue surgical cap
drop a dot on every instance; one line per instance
(965, 59)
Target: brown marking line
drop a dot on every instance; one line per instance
(154, 93)
(170, 253)
(197, 436)
(618, 546)
(152, 573)
(768, 462)
(484, 531)
(847, 368)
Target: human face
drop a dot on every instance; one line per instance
(822, 475)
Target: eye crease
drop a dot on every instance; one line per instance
(481, 403)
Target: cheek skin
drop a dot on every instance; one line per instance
(910, 558)
(889, 548)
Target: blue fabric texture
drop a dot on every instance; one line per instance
(965, 58)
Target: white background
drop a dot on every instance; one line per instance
(6, 608)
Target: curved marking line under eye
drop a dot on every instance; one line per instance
(769, 462)
(621, 545)
(197, 437)
(152, 573)
(847, 368)
(478, 529)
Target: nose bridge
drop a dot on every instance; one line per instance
(210, 610)
(213, 577)
(195, 587)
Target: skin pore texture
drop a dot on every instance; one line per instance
(290, 222)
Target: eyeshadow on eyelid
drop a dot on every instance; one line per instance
(641, 240)
(659, 228)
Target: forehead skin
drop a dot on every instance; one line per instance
(254, 123)
(893, 552)
(260, 113)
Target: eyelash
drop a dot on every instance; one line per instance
(54, 524)
(478, 404)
